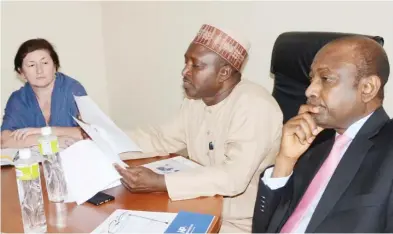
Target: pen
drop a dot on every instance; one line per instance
(211, 146)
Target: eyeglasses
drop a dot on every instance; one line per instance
(117, 224)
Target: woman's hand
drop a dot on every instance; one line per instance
(65, 142)
(23, 133)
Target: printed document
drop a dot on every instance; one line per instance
(170, 165)
(92, 115)
(87, 171)
(132, 221)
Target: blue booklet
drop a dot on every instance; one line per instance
(190, 222)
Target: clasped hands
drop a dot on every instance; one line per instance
(23, 133)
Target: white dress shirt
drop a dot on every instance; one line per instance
(275, 183)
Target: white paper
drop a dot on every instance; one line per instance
(7, 156)
(100, 137)
(93, 115)
(87, 171)
(171, 165)
(114, 184)
(134, 224)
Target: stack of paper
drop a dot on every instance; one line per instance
(87, 171)
(171, 165)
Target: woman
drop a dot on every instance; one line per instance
(45, 100)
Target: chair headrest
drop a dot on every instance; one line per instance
(293, 52)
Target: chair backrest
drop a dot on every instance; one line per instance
(292, 56)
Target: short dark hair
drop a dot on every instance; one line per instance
(371, 59)
(33, 45)
(374, 61)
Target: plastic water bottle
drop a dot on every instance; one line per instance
(30, 193)
(53, 170)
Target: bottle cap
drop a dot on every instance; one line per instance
(46, 131)
(24, 153)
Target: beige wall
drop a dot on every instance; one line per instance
(137, 47)
(74, 28)
(145, 43)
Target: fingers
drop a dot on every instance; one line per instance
(128, 173)
(305, 138)
(27, 133)
(125, 184)
(305, 112)
(69, 141)
(308, 108)
(319, 129)
(65, 142)
(15, 134)
(120, 169)
(133, 188)
(310, 122)
(307, 131)
(22, 134)
(128, 180)
(302, 130)
(304, 127)
(18, 134)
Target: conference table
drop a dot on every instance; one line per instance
(69, 217)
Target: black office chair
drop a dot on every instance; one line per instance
(293, 53)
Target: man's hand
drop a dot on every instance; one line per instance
(23, 133)
(141, 179)
(297, 135)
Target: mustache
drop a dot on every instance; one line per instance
(186, 80)
(313, 102)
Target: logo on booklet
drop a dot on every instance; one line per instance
(182, 230)
(190, 222)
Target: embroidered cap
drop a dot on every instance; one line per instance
(230, 46)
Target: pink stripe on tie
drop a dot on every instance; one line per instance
(321, 178)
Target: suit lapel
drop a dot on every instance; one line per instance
(305, 171)
(347, 168)
(310, 166)
(340, 180)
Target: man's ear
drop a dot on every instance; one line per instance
(225, 73)
(370, 87)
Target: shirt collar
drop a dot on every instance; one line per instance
(355, 127)
(220, 104)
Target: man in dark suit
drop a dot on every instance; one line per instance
(344, 184)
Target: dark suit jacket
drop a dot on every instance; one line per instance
(359, 195)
